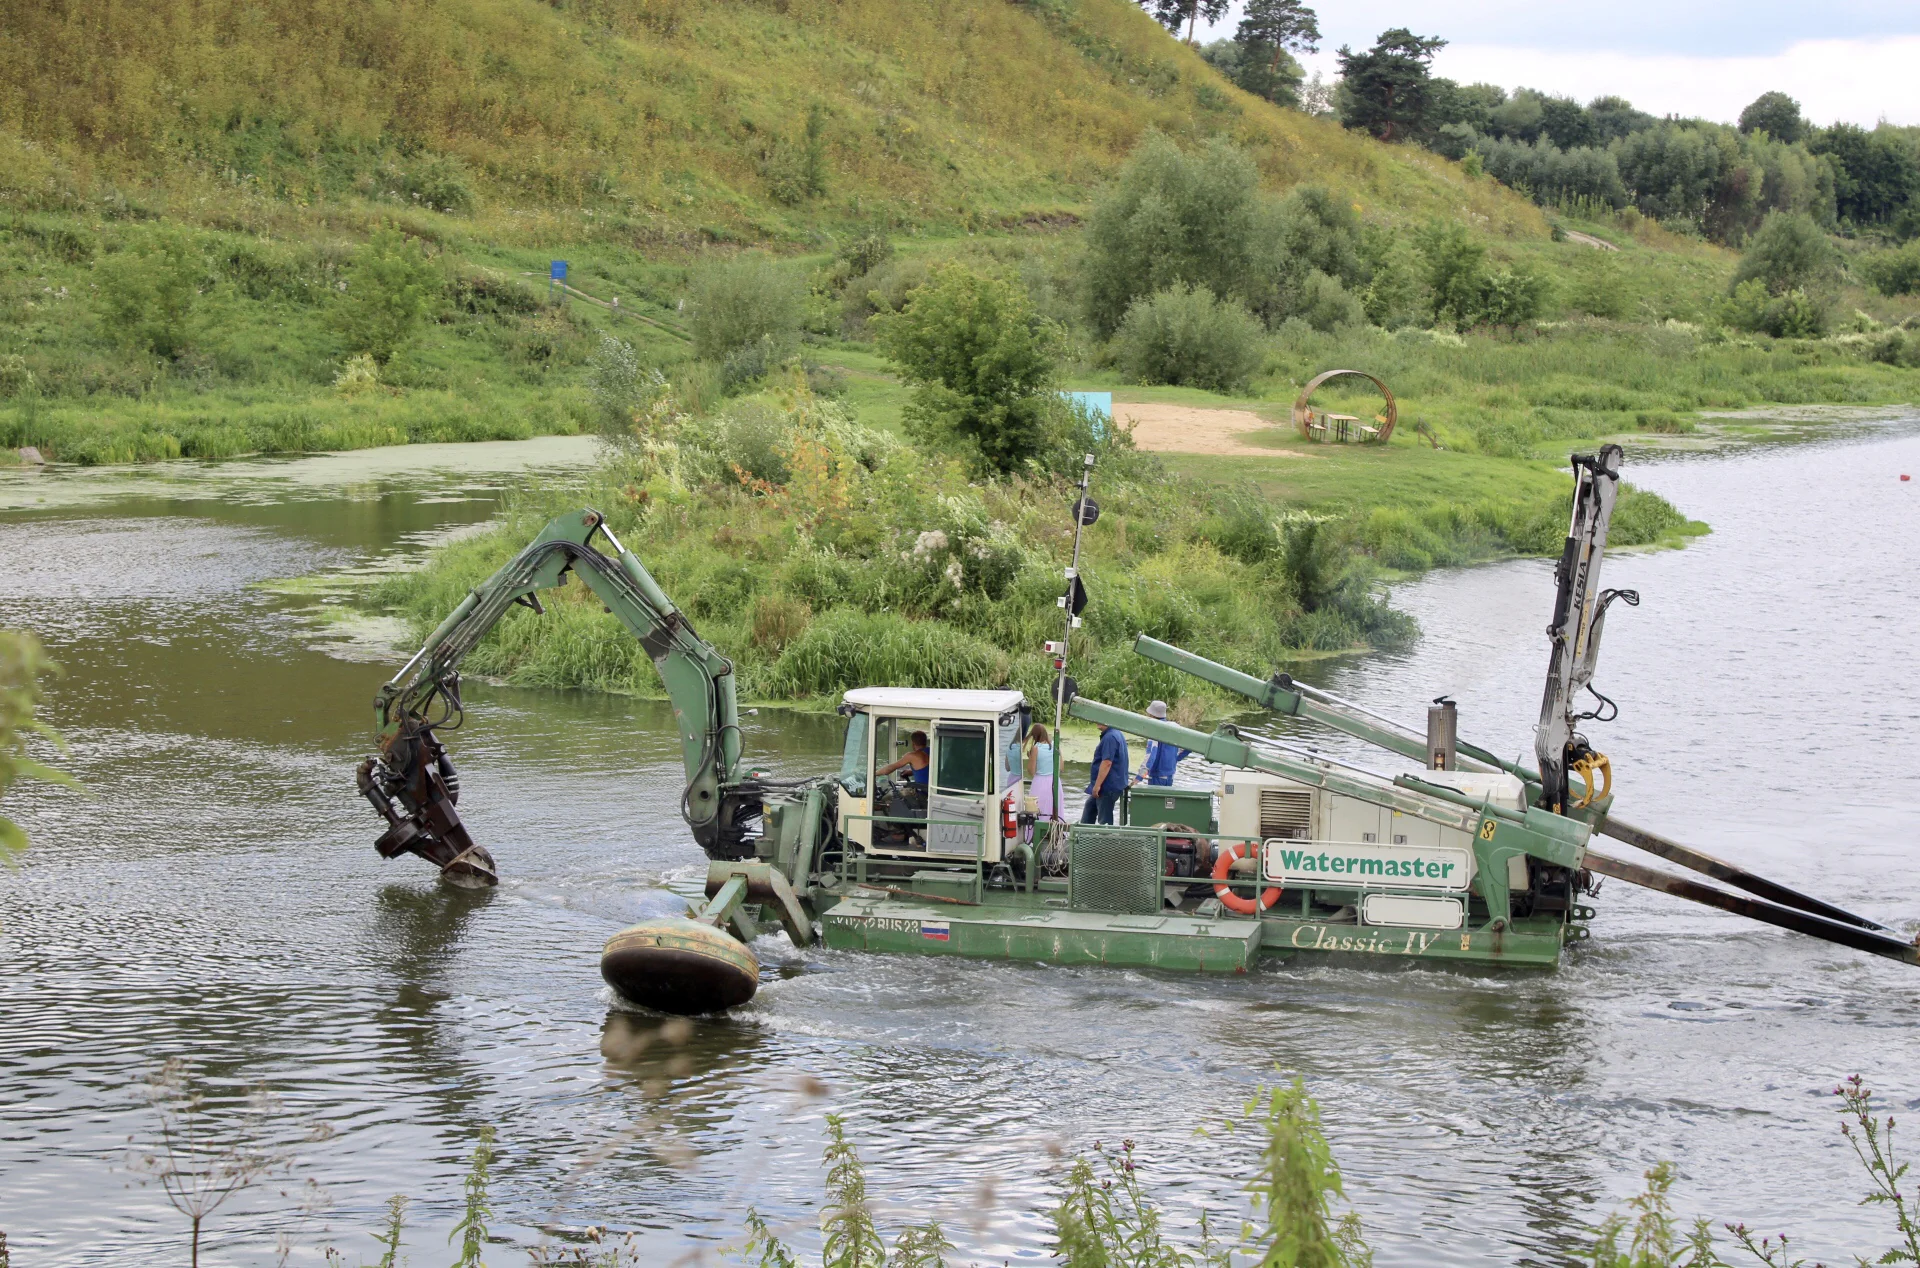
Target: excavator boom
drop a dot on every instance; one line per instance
(412, 782)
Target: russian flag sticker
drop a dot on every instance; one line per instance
(935, 929)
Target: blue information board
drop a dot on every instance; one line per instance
(558, 271)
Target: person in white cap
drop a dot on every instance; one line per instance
(1156, 767)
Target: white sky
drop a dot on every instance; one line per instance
(1853, 60)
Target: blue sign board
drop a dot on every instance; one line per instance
(558, 271)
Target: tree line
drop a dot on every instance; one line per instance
(1717, 180)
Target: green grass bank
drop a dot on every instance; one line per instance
(822, 554)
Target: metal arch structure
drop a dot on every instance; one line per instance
(1303, 410)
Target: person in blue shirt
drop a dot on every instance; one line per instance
(1156, 768)
(1109, 777)
(917, 761)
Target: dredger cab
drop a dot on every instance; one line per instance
(930, 772)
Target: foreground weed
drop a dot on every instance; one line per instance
(1653, 1236)
(200, 1158)
(1873, 1145)
(472, 1228)
(852, 1240)
(1653, 1233)
(1106, 1222)
(389, 1238)
(1295, 1186)
(1872, 1141)
(620, 1255)
(1110, 1222)
(23, 668)
(771, 1252)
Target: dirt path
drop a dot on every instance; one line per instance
(1588, 240)
(1192, 429)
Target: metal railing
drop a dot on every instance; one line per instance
(1122, 876)
(1360, 882)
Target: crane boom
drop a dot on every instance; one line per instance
(412, 782)
(1579, 611)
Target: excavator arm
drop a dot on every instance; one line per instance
(411, 782)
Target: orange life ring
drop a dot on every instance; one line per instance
(1223, 862)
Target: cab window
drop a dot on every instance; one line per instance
(962, 760)
(892, 740)
(853, 758)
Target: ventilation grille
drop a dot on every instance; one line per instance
(1114, 870)
(1285, 814)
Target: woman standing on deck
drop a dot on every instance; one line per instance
(1039, 773)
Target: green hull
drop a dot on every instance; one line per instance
(1025, 929)
(1535, 943)
(997, 932)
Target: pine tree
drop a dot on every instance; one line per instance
(1280, 26)
(1171, 13)
(1387, 86)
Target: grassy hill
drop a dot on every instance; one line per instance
(639, 139)
(636, 121)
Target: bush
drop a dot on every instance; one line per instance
(752, 441)
(1897, 347)
(750, 363)
(1186, 335)
(1076, 430)
(860, 257)
(619, 385)
(1663, 422)
(1893, 272)
(1396, 296)
(883, 289)
(744, 300)
(1790, 253)
(1200, 219)
(1172, 217)
(1313, 562)
(1794, 315)
(1240, 529)
(845, 649)
(1456, 270)
(358, 375)
(1323, 303)
(981, 363)
(776, 621)
(148, 293)
(437, 182)
(391, 287)
(1599, 287)
(1513, 295)
(1313, 252)
(1466, 292)
(798, 172)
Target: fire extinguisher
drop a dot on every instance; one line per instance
(1009, 821)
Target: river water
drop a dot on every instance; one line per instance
(215, 897)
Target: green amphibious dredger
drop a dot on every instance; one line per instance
(1474, 858)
